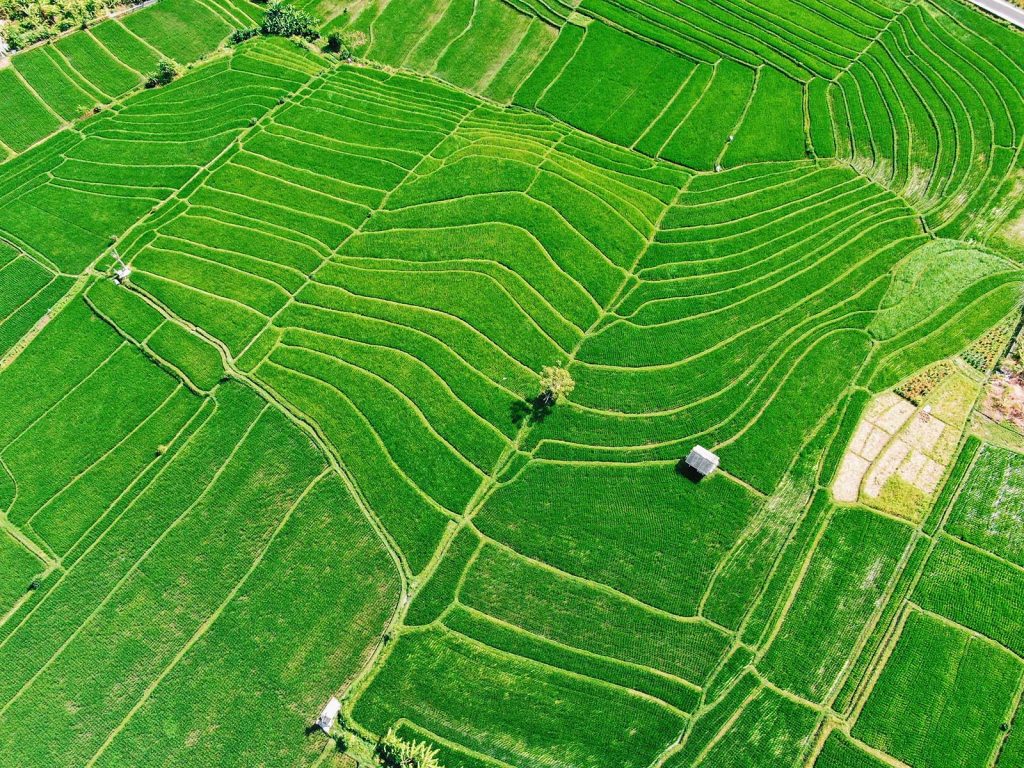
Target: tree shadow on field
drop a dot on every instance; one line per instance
(529, 411)
(691, 474)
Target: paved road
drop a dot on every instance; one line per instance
(1003, 10)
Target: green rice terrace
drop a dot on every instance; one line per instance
(513, 384)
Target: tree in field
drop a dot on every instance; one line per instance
(286, 20)
(396, 752)
(336, 44)
(165, 72)
(556, 383)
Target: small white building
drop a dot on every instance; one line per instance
(329, 715)
(702, 461)
(122, 274)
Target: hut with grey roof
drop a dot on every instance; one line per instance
(701, 461)
(329, 715)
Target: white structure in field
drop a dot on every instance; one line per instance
(702, 461)
(123, 271)
(329, 715)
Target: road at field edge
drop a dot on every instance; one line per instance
(1003, 10)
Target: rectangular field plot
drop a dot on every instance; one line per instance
(674, 532)
(596, 93)
(484, 46)
(769, 730)
(975, 589)
(941, 698)
(845, 582)
(73, 452)
(296, 605)
(989, 511)
(48, 78)
(444, 682)
(841, 752)
(575, 613)
(182, 30)
(204, 550)
(34, 121)
(772, 128)
(27, 291)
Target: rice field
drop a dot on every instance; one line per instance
(296, 448)
(57, 84)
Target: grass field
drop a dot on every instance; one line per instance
(299, 452)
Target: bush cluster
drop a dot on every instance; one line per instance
(165, 72)
(396, 752)
(288, 21)
(30, 21)
(336, 44)
(241, 35)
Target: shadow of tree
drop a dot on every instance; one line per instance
(530, 411)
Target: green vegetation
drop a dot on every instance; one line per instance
(31, 22)
(942, 697)
(51, 85)
(988, 510)
(286, 20)
(836, 602)
(367, 371)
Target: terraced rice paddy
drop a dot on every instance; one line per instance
(299, 452)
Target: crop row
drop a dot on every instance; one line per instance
(696, 114)
(795, 37)
(61, 201)
(987, 510)
(485, 46)
(58, 83)
(933, 109)
(938, 675)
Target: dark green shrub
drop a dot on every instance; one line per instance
(241, 35)
(288, 21)
(336, 44)
(165, 72)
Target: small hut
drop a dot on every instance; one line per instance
(123, 270)
(702, 461)
(329, 715)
